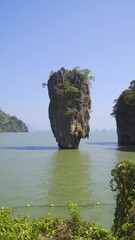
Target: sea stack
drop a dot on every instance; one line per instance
(124, 113)
(69, 106)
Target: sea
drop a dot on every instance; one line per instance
(38, 178)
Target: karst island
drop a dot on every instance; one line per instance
(124, 113)
(11, 123)
(70, 105)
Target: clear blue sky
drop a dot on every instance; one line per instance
(37, 36)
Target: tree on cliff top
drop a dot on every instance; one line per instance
(125, 104)
(124, 113)
(85, 72)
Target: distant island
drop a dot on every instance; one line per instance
(11, 123)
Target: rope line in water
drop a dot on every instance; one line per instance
(61, 206)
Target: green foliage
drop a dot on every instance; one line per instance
(80, 229)
(18, 228)
(71, 94)
(132, 85)
(52, 72)
(125, 104)
(46, 225)
(71, 89)
(86, 74)
(68, 111)
(67, 89)
(123, 183)
(75, 228)
(70, 86)
(11, 123)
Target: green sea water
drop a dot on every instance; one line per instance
(35, 173)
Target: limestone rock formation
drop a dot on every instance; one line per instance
(124, 113)
(69, 106)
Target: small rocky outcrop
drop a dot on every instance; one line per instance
(124, 113)
(69, 106)
(11, 123)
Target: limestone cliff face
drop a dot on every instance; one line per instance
(126, 131)
(69, 107)
(124, 113)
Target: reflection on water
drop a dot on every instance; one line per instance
(70, 178)
(126, 148)
(33, 171)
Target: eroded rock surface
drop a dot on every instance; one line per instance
(69, 107)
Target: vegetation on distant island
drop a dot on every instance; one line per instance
(75, 228)
(124, 113)
(125, 104)
(11, 123)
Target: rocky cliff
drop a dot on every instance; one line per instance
(11, 123)
(69, 106)
(124, 113)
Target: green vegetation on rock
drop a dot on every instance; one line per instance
(124, 113)
(11, 123)
(70, 105)
(125, 104)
